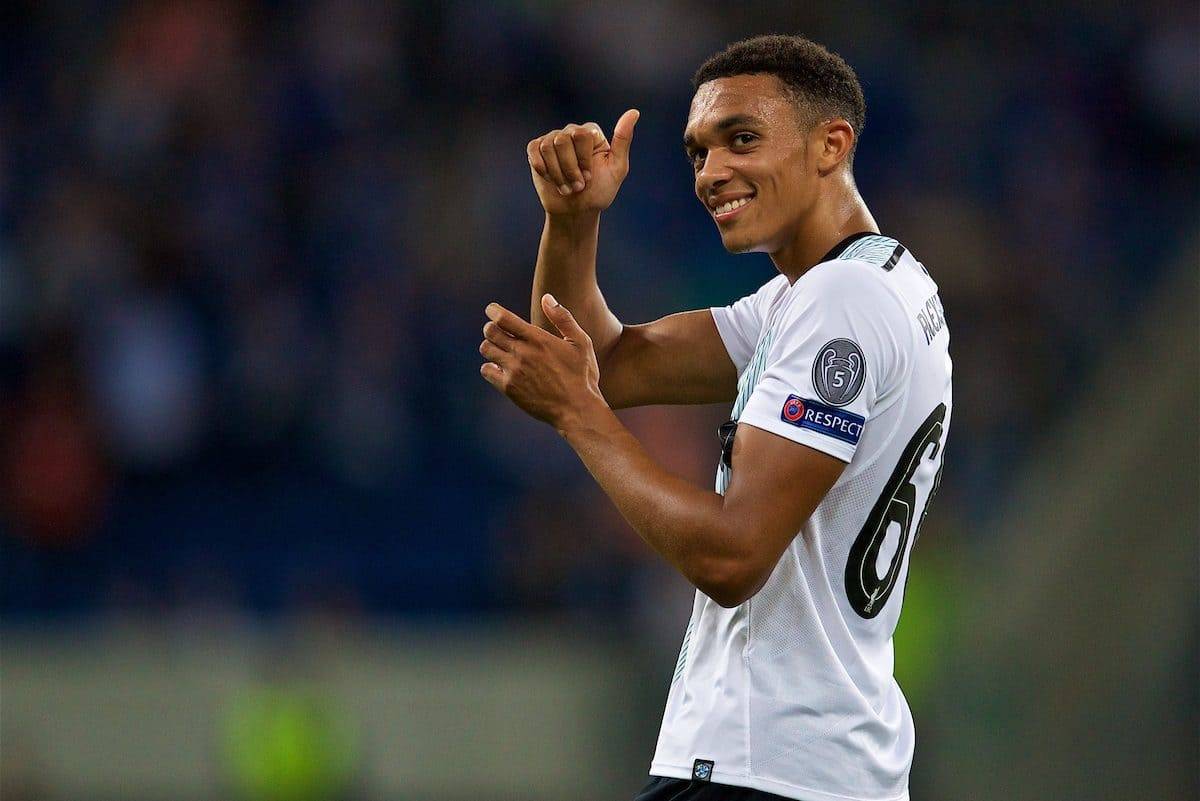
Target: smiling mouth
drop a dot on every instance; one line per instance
(727, 211)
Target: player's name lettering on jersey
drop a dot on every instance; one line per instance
(932, 318)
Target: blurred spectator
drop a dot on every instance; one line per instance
(56, 478)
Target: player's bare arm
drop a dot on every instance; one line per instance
(727, 545)
(678, 359)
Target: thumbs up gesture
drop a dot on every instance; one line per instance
(576, 169)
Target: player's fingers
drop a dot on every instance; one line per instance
(535, 157)
(623, 134)
(512, 323)
(583, 141)
(568, 162)
(494, 353)
(493, 333)
(599, 140)
(563, 320)
(493, 374)
(550, 157)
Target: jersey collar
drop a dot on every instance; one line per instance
(845, 243)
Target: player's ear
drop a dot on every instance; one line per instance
(834, 138)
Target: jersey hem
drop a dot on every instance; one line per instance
(766, 785)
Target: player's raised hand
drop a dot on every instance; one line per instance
(576, 169)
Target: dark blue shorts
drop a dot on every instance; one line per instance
(660, 789)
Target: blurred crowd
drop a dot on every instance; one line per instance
(245, 248)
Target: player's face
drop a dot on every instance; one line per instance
(749, 151)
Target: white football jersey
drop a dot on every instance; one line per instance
(792, 692)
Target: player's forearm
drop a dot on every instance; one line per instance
(687, 525)
(566, 268)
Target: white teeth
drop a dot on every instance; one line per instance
(725, 208)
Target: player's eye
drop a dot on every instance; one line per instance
(743, 139)
(696, 157)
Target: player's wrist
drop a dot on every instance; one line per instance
(574, 225)
(588, 414)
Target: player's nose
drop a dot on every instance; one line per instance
(712, 175)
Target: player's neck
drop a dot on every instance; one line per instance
(838, 214)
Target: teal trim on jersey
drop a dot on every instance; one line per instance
(746, 385)
(873, 249)
(683, 651)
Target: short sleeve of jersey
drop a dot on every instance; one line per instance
(741, 324)
(838, 347)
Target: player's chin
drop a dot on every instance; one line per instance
(740, 242)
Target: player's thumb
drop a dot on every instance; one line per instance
(563, 320)
(623, 134)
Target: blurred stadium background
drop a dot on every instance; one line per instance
(266, 535)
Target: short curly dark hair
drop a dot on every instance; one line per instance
(821, 83)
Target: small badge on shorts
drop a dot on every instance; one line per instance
(702, 770)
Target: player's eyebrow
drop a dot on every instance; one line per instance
(732, 121)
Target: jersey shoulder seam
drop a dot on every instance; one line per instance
(850, 270)
(910, 355)
(879, 277)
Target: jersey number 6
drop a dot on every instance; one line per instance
(866, 589)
